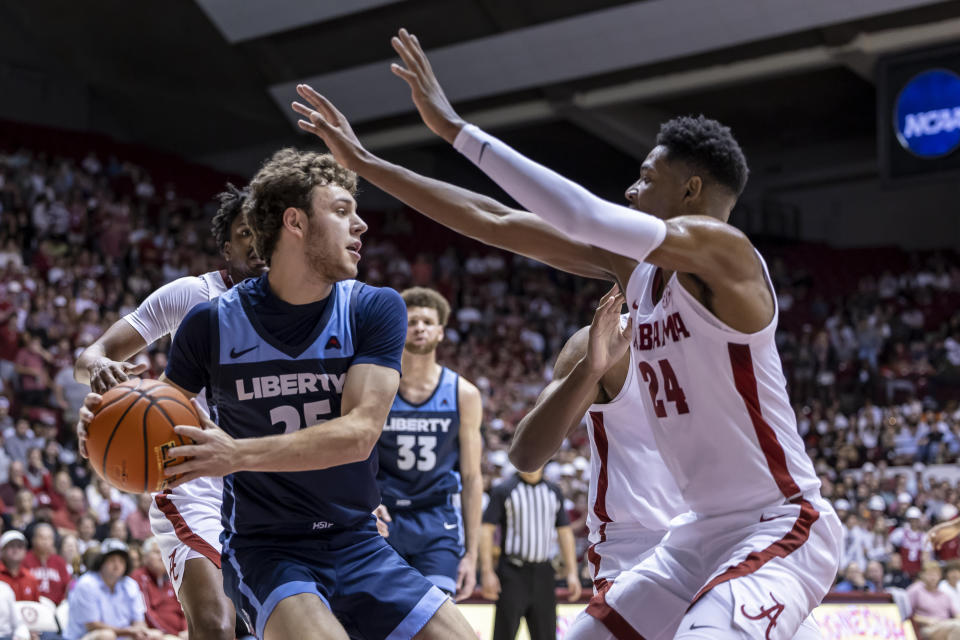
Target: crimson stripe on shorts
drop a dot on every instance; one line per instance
(779, 549)
(183, 531)
(594, 557)
(600, 504)
(600, 439)
(746, 382)
(608, 617)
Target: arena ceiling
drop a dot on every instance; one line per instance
(210, 79)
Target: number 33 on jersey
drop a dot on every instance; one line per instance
(420, 446)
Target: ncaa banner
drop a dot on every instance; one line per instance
(927, 114)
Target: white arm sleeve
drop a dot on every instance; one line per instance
(561, 202)
(164, 309)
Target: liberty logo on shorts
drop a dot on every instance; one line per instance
(772, 612)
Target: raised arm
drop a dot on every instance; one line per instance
(576, 385)
(719, 254)
(468, 213)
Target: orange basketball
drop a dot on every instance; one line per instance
(130, 433)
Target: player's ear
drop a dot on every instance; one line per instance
(225, 251)
(693, 188)
(294, 220)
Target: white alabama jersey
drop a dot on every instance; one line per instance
(160, 314)
(633, 497)
(716, 399)
(629, 483)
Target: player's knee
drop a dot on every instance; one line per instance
(211, 624)
(100, 634)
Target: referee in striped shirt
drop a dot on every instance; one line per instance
(529, 511)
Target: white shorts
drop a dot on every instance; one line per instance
(778, 562)
(186, 522)
(618, 547)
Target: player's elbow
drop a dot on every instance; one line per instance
(524, 458)
(362, 446)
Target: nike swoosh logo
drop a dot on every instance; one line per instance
(236, 354)
(449, 526)
(694, 626)
(483, 148)
(762, 519)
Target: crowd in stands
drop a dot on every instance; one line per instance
(871, 360)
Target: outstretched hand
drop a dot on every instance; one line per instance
(608, 341)
(326, 122)
(428, 96)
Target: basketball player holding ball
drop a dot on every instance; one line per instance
(186, 518)
(761, 547)
(302, 365)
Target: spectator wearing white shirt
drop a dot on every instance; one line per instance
(106, 603)
(11, 624)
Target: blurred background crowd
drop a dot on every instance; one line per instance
(870, 342)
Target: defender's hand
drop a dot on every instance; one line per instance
(607, 342)
(428, 96)
(213, 455)
(90, 404)
(105, 373)
(466, 577)
(326, 122)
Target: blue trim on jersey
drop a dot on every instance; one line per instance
(418, 618)
(251, 333)
(284, 591)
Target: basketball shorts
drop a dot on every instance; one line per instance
(358, 576)
(619, 546)
(186, 522)
(431, 541)
(778, 563)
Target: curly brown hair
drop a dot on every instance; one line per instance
(286, 180)
(429, 298)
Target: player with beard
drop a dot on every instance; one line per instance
(430, 456)
(302, 365)
(185, 519)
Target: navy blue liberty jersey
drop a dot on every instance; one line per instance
(260, 386)
(420, 448)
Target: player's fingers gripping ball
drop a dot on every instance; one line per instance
(131, 431)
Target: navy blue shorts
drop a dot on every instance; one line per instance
(431, 540)
(362, 580)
